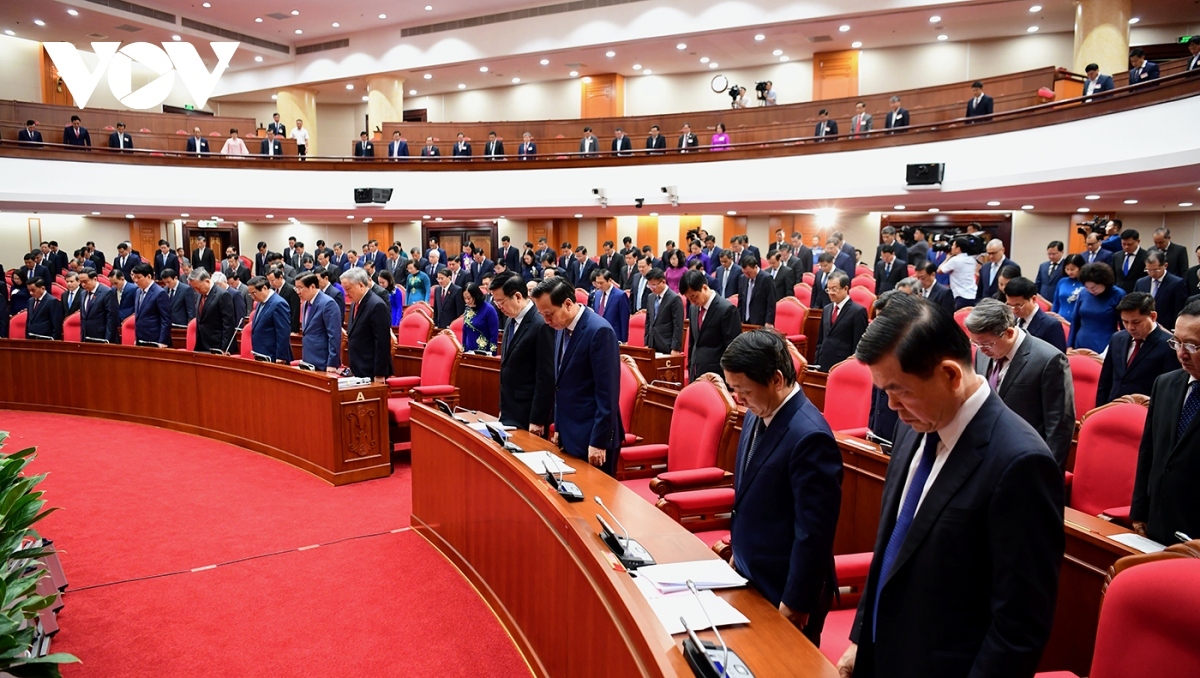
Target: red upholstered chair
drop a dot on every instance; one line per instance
(129, 331)
(415, 329)
(1085, 373)
(16, 325)
(73, 328)
(865, 298)
(439, 368)
(701, 424)
(790, 315)
(245, 345)
(103, 280)
(420, 307)
(1042, 303)
(581, 297)
(803, 292)
(849, 385)
(107, 268)
(808, 278)
(863, 269)
(61, 280)
(912, 270)
(960, 317)
(633, 391)
(637, 329)
(57, 291)
(733, 300)
(852, 571)
(1106, 460)
(246, 263)
(456, 327)
(191, 335)
(867, 281)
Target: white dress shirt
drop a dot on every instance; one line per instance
(949, 435)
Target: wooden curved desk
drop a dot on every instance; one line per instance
(539, 563)
(300, 418)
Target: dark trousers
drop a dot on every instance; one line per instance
(959, 302)
(302, 150)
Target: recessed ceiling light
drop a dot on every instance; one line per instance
(367, 220)
(777, 52)
(336, 25)
(714, 65)
(844, 28)
(898, 207)
(176, 38)
(274, 97)
(760, 37)
(1091, 197)
(73, 12)
(95, 214)
(130, 216)
(637, 67)
(258, 20)
(516, 81)
(1185, 204)
(461, 86)
(350, 86)
(269, 216)
(299, 32)
(1133, 21)
(943, 37)
(258, 59)
(8, 32)
(784, 58)
(732, 213)
(1083, 210)
(654, 214)
(934, 209)
(216, 218)
(934, 19)
(39, 22)
(412, 92)
(349, 216)
(295, 12)
(682, 45)
(993, 203)
(574, 74)
(704, 60)
(438, 219)
(647, 72)
(428, 76)
(483, 69)
(206, 5)
(382, 16)
(185, 215)
(1131, 201)
(1026, 207)
(610, 54)
(545, 62)
(578, 216)
(1035, 8)
(1031, 29)
(428, 8)
(366, 98)
(856, 44)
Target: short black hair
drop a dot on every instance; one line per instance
(258, 282)
(749, 261)
(1091, 67)
(1137, 52)
(1056, 244)
(759, 354)
(930, 268)
(510, 283)
(143, 269)
(311, 279)
(1141, 302)
(977, 84)
(1020, 287)
(1192, 310)
(166, 273)
(656, 274)
(1099, 273)
(887, 248)
(1009, 272)
(1130, 234)
(476, 293)
(920, 334)
(692, 281)
(557, 287)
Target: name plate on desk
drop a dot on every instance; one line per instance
(347, 383)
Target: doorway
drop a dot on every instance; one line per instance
(218, 239)
(452, 237)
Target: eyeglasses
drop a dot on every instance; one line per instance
(1175, 344)
(986, 346)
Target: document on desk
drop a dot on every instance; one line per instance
(538, 462)
(705, 574)
(671, 606)
(1137, 541)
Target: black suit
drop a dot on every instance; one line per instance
(942, 296)
(664, 329)
(1168, 470)
(886, 279)
(731, 286)
(972, 590)
(657, 143)
(45, 317)
(622, 146)
(369, 338)
(1177, 259)
(758, 307)
(637, 301)
(1120, 377)
(72, 304)
(39, 271)
(612, 263)
(74, 138)
(364, 149)
(270, 147)
(98, 319)
(1137, 269)
(1172, 296)
(984, 107)
(580, 275)
(527, 372)
(261, 267)
(820, 298)
(511, 256)
(896, 120)
(785, 281)
(826, 128)
(171, 261)
(216, 321)
(182, 302)
(899, 249)
(492, 149)
(292, 297)
(242, 303)
(708, 340)
(1045, 328)
(337, 297)
(989, 279)
(205, 259)
(448, 307)
(837, 341)
(461, 149)
(801, 261)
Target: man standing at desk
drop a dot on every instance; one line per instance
(526, 373)
(788, 484)
(588, 376)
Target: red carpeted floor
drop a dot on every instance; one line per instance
(143, 507)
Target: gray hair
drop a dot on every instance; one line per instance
(997, 242)
(990, 316)
(356, 275)
(888, 230)
(909, 285)
(199, 275)
(1156, 257)
(1163, 232)
(184, 261)
(217, 278)
(71, 275)
(894, 98)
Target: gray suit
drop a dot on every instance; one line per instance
(866, 125)
(664, 330)
(1037, 386)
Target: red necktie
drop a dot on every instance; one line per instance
(603, 302)
(700, 320)
(833, 316)
(1137, 346)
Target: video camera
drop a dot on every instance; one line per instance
(1097, 225)
(761, 88)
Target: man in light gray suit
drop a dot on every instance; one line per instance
(862, 121)
(664, 316)
(1032, 377)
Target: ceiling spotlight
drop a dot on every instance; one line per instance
(258, 59)
(1131, 202)
(934, 210)
(844, 28)
(760, 37)
(777, 52)
(1083, 210)
(274, 97)
(39, 22)
(483, 69)
(647, 72)
(574, 74)
(610, 54)
(732, 213)
(784, 58)
(176, 38)
(206, 5)
(425, 216)
(336, 25)
(461, 86)
(130, 216)
(8, 32)
(898, 207)
(266, 216)
(578, 216)
(258, 20)
(545, 62)
(428, 8)
(1133, 21)
(185, 215)
(382, 16)
(714, 65)
(1035, 8)
(1031, 29)
(429, 76)
(412, 92)
(94, 214)
(943, 37)
(856, 44)
(72, 12)
(516, 81)
(295, 12)
(366, 98)
(1185, 204)
(299, 32)
(1091, 197)
(438, 219)
(704, 60)
(216, 218)
(934, 19)
(637, 67)
(349, 216)
(350, 86)
(681, 45)
(1026, 207)
(993, 203)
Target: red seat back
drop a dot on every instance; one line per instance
(790, 315)
(702, 413)
(803, 292)
(245, 345)
(808, 278)
(57, 291)
(960, 317)
(1106, 457)
(414, 329)
(864, 297)
(863, 269)
(1148, 623)
(733, 300)
(16, 325)
(191, 335)
(637, 329)
(864, 281)
(420, 307)
(849, 386)
(581, 297)
(439, 360)
(129, 331)
(72, 328)
(1042, 303)
(632, 383)
(1085, 373)
(456, 327)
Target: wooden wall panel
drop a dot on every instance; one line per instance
(733, 226)
(647, 232)
(540, 228)
(602, 96)
(687, 222)
(565, 230)
(606, 230)
(144, 235)
(835, 75)
(382, 233)
(54, 90)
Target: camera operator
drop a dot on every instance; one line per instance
(1112, 236)
(738, 94)
(769, 96)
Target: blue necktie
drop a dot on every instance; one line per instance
(908, 510)
(1128, 260)
(1190, 407)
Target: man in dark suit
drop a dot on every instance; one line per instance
(232, 268)
(825, 126)
(843, 323)
(787, 484)
(888, 237)
(639, 286)
(580, 269)
(1093, 253)
(494, 148)
(802, 258)
(151, 307)
(125, 292)
(96, 256)
(1168, 291)
(34, 270)
(1138, 354)
(125, 260)
(889, 270)
(1176, 254)
(270, 334)
(364, 148)
(1032, 377)
(429, 150)
(483, 267)
(728, 275)
(271, 146)
(989, 273)
(398, 148)
(980, 104)
(656, 142)
(587, 368)
(756, 294)
(203, 256)
(98, 315)
(120, 140)
(1050, 271)
(458, 276)
(1142, 71)
(897, 118)
(276, 127)
(287, 292)
(58, 256)
(443, 258)
(461, 148)
(961, 461)
(841, 260)
(263, 256)
(782, 275)
(215, 316)
(243, 303)
(29, 136)
(165, 259)
(510, 255)
(45, 316)
(664, 316)
(713, 321)
(933, 291)
(1193, 46)
(321, 325)
(1164, 490)
(820, 298)
(1095, 82)
(610, 260)
(687, 140)
(76, 134)
(197, 144)
(1019, 295)
(611, 304)
(72, 299)
(326, 278)
(621, 144)
(1129, 265)
(526, 372)
(181, 298)
(627, 271)
(527, 147)
(447, 300)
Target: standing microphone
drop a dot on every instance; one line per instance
(723, 667)
(631, 554)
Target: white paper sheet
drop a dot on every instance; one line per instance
(706, 574)
(1137, 541)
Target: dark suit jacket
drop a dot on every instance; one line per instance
(242, 303)
(664, 330)
(462, 149)
(820, 298)
(270, 333)
(984, 107)
(446, 309)
(114, 140)
(266, 144)
(397, 149)
(785, 282)
(589, 145)
(838, 341)
(527, 372)
(70, 138)
(581, 276)
(292, 297)
(761, 303)
(887, 281)
(785, 508)
(616, 311)
(656, 143)
(511, 258)
(215, 323)
(1177, 259)
(613, 263)
(988, 285)
(431, 152)
(1037, 386)
(960, 599)
(206, 260)
(479, 270)
(1168, 470)
(98, 320)
(831, 129)
(896, 119)
(171, 262)
(1047, 329)
(587, 390)
(687, 141)
(364, 149)
(25, 137)
(191, 145)
(901, 252)
(1148, 71)
(1137, 269)
(1153, 359)
(322, 343)
(731, 286)
(183, 305)
(70, 305)
(1047, 284)
(720, 327)
(338, 298)
(801, 261)
(131, 260)
(153, 314)
(45, 317)
(526, 149)
(1171, 298)
(845, 263)
(1104, 83)
(39, 271)
(260, 262)
(942, 296)
(1103, 256)
(493, 149)
(637, 301)
(622, 146)
(128, 301)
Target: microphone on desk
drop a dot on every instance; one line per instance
(95, 340)
(152, 344)
(232, 339)
(566, 490)
(178, 326)
(703, 667)
(447, 410)
(883, 443)
(657, 382)
(1182, 537)
(631, 554)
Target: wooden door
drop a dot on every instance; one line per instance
(218, 240)
(452, 237)
(381, 233)
(602, 96)
(835, 75)
(144, 235)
